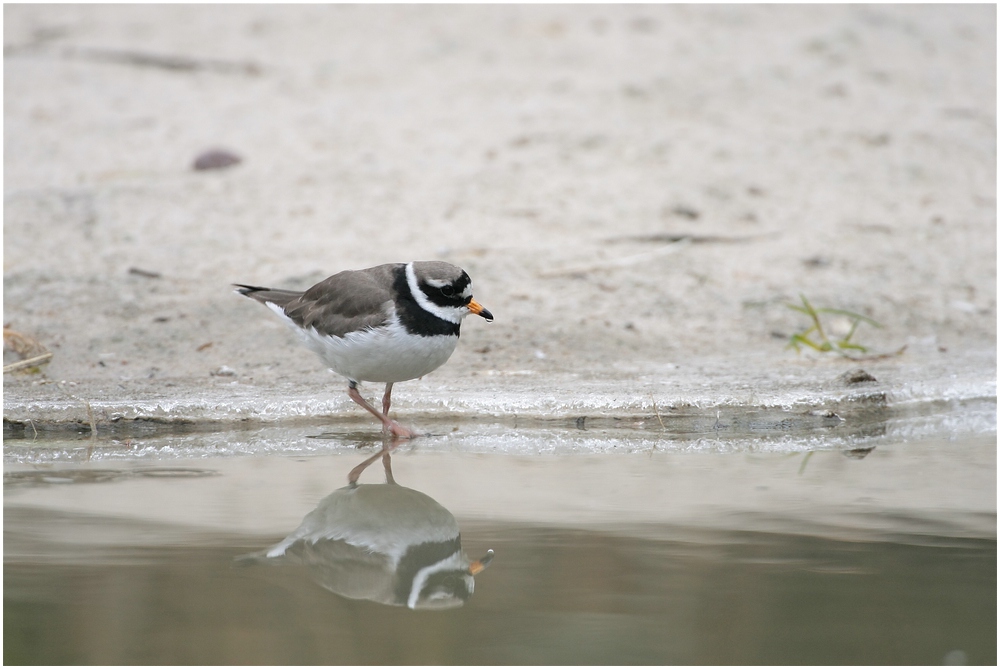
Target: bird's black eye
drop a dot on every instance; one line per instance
(447, 291)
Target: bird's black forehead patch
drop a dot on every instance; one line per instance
(447, 298)
(461, 283)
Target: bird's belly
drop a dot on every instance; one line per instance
(387, 354)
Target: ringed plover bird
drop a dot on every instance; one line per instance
(388, 323)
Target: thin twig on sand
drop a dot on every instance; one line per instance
(615, 263)
(29, 348)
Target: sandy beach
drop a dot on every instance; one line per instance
(637, 192)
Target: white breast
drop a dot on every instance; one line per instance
(385, 354)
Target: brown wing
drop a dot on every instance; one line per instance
(350, 300)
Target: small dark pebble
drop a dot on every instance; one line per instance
(858, 453)
(816, 261)
(881, 139)
(216, 159)
(686, 212)
(149, 274)
(857, 376)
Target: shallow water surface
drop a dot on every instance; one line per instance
(881, 552)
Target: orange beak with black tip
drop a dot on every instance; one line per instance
(479, 310)
(481, 564)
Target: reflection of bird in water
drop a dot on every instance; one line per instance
(384, 543)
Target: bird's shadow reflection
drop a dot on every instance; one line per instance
(381, 542)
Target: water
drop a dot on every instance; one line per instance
(611, 546)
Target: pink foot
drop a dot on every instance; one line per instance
(398, 430)
(388, 425)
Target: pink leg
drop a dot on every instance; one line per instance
(387, 398)
(355, 474)
(387, 463)
(387, 425)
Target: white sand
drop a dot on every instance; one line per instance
(847, 153)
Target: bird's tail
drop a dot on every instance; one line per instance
(266, 556)
(265, 295)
